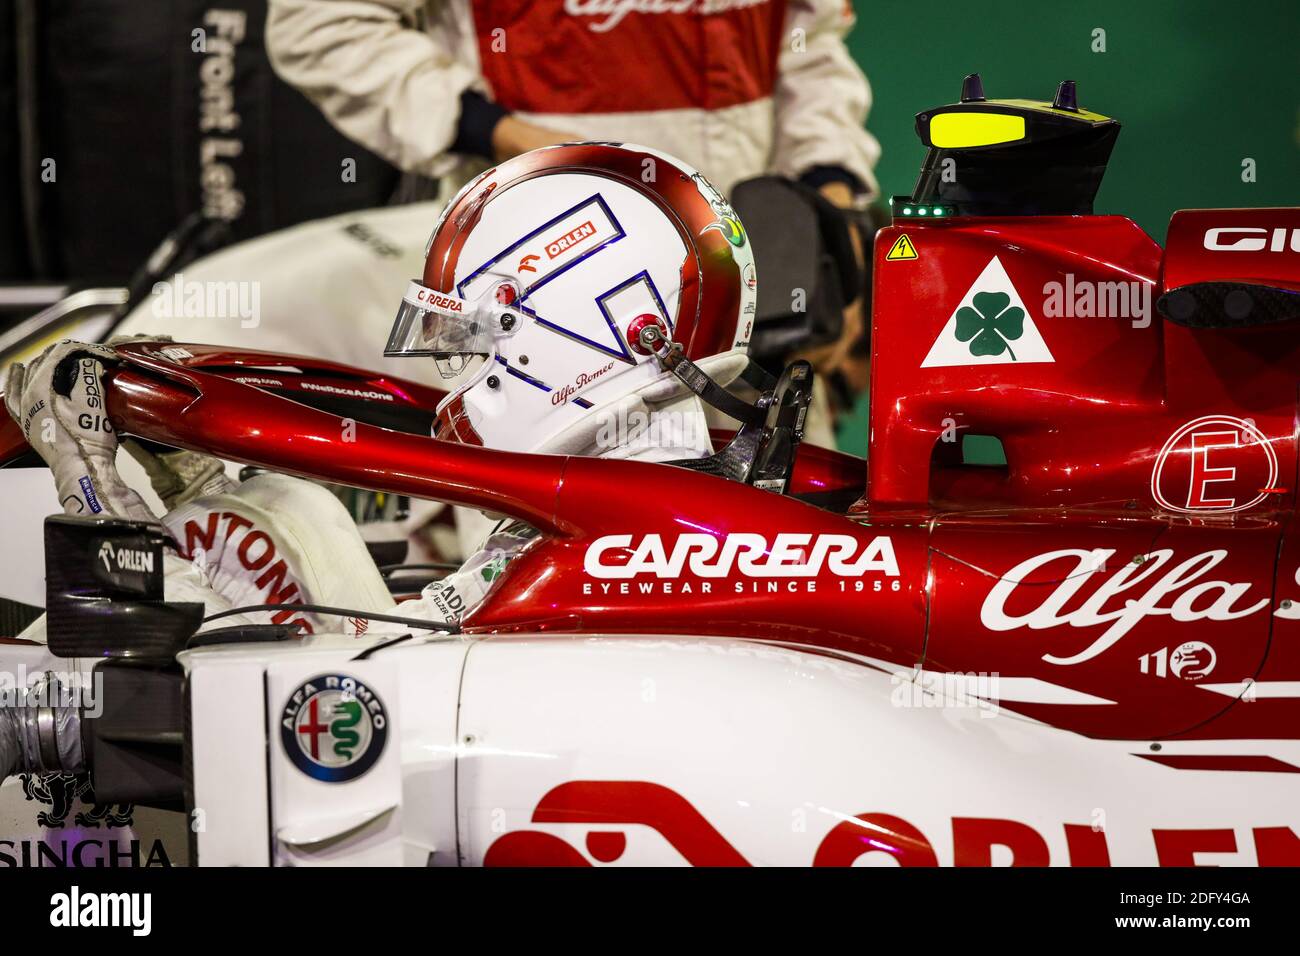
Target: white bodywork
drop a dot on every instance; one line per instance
(675, 750)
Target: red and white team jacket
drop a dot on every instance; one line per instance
(736, 88)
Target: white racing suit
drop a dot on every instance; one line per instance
(271, 540)
(266, 536)
(322, 288)
(279, 540)
(326, 288)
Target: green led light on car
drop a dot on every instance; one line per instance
(935, 211)
(904, 206)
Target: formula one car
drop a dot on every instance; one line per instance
(1087, 655)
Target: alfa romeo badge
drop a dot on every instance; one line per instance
(334, 728)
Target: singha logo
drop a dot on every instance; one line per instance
(61, 790)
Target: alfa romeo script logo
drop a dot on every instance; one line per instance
(334, 728)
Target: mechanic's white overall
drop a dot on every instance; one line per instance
(542, 277)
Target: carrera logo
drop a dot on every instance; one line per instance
(255, 380)
(176, 353)
(172, 353)
(570, 239)
(1251, 239)
(437, 300)
(622, 556)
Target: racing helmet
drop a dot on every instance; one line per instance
(574, 276)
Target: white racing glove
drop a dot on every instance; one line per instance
(176, 475)
(450, 599)
(59, 402)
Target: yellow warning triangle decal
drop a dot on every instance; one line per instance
(901, 249)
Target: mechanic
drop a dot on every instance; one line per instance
(583, 308)
(734, 88)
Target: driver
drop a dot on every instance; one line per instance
(585, 297)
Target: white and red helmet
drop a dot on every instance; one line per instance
(550, 267)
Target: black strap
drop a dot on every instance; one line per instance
(699, 382)
(671, 358)
(702, 385)
(757, 377)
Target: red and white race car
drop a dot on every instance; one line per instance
(1088, 655)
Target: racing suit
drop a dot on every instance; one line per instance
(736, 88)
(323, 288)
(271, 540)
(279, 540)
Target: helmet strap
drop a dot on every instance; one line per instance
(671, 358)
(762, 453)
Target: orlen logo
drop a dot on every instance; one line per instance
(787, 555)
(1251, 239)
(570, 239)
(128, 559)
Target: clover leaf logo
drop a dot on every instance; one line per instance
(492, 570)
(992, 325)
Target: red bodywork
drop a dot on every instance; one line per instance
(1090, 426)
(1126, 619)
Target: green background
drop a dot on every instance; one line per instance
(1197, 86)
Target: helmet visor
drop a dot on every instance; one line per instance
(437, 324)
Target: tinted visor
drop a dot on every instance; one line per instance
(437, 324)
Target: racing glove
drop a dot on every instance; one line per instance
(450, 599)
(59, 402)
(176, 475)
(179, 476)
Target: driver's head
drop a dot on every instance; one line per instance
(542, 274)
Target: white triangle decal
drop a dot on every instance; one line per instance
(990, 326)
